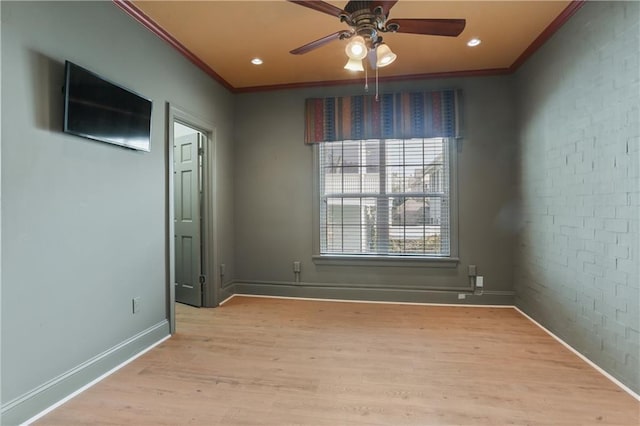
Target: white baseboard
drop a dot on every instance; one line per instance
(581, 356)
(374, 294)
(380, 302)
(226, 300)
(59, 390)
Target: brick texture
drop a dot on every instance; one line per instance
(577, 267)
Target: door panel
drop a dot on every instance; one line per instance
(186, 208)
(187, 220)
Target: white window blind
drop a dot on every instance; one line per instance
(385, 197)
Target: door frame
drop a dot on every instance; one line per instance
(208, 210)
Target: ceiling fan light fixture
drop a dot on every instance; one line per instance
(474, 42)
(354, 65)
(256, 61)
(356, 48)
(385, 55)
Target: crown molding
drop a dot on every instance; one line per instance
(546, 34)
(153, 26)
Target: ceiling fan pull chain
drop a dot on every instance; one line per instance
(377, 85)
(366, 79)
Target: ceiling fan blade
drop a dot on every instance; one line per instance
(440, 27)
(386, 5)
(319, 42)
(320, 6)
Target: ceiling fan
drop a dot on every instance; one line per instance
(367, 21)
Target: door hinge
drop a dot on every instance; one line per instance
(200, 151)
(202, 279)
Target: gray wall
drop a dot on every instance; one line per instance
(577, 263)
(83, 222)
(273, 204)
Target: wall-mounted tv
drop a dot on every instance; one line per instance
(97, 109)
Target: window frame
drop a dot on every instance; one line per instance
(450, 261)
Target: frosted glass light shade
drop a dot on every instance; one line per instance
(354, 65)
(385, 56)
(356, 48)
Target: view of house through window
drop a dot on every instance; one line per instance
(385, 197)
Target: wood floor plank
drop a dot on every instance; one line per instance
(261, 361)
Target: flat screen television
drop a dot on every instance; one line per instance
(97, 109)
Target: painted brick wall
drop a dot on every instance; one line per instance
(577, 263)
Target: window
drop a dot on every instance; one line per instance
(386, 198)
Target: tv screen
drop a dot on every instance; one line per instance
(97, 109)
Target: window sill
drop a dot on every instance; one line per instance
(397, 261)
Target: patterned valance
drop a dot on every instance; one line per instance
(393, 116)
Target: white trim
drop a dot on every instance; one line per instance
(450, 261)
(227, 299)
(352, 286)
(582, 357)
(379, 302)
(91, 383)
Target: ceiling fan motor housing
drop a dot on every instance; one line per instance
(365, 22)
(368, 19)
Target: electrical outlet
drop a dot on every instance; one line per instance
(479, 281)
(296, 266)
(473, 271)
(462, 296)
(135, 304)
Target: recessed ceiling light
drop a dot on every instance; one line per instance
(256, 61)
(474, 42)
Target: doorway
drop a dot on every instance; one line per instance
(188, 149)
(191, 218)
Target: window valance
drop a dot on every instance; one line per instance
(393, 116)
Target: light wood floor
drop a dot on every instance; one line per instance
(259, 361)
